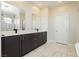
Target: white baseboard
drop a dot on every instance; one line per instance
(52, 41)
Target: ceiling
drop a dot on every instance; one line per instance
(42, 4)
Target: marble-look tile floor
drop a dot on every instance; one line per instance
(53, 50)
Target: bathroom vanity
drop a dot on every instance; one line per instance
(22, 30)
(19, 45)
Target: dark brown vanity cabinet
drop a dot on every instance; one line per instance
(26, 44)
(11, 46)
(44, 37)
(36, 39)
(19, 45)
(30, 42)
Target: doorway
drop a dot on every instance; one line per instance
(61, 27)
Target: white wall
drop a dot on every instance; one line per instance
(44, 19)
(74, 27)
(50, 26)
(73, 13)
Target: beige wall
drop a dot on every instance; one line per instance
(73, 14)
(44, 19)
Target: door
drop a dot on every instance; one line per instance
(61, 27)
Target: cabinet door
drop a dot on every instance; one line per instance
(42, 38)
(36, 39)
(44, 34)
(26, 44)
(3, 52)
(11, 46)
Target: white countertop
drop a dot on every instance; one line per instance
(11, 33)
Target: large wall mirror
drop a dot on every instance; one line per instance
(35, 22)
(11, 17)
(36, 19)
